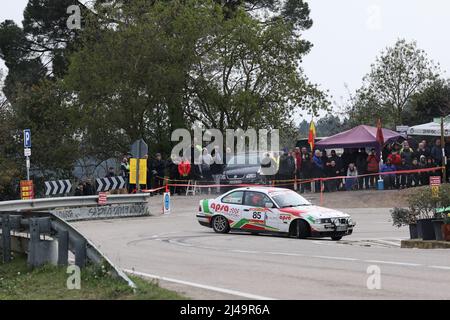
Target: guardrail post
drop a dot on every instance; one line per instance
(63, 247)
(80, 246)
(6, 235)
(33, 246)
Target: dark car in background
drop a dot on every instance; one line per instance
(243, 168)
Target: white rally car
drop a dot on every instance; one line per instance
(272, 210)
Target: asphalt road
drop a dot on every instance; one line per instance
(195, 261)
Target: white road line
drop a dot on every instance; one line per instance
(394, 263)
(440, 267)
(336, 258)
(202, 286)
(244, 251)
(286, 254)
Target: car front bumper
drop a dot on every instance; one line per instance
(330, 229)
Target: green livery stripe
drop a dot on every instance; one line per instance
(243, 222)
(310, 218)
(206, 206)
(240, 223)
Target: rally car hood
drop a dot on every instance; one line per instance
(316, 211)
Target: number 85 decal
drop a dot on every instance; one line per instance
(257, 215)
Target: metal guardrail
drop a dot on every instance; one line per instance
(64, 238)
(69, 202)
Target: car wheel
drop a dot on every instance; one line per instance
(300, 229)
(220, 224)
(336, 238)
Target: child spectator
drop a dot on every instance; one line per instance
(414, 177)
(403, 177)
(352, 173)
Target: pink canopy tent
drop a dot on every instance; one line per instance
(358, 137)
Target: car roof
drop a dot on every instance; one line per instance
(262, 189)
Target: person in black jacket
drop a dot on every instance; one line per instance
(158, 167)
(361, 166)
(79, 190)
(287, 168)
(404, 179)
(332, 171)
(172, 165)
(88, 189)
(306, 172)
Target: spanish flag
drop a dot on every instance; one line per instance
(312, 135)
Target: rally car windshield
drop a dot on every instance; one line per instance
(288, 199)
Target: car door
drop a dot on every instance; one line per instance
(231, 207)
(258, 217)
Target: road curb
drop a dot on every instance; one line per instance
(423, 244)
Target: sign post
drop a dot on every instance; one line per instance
(26, 190)
(27, 149)
(139, 149)
(435, 183)
(166, 204)
(102, 199)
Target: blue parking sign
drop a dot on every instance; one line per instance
(27, 138)
(166, 206)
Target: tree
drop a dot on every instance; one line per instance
(250, 76)
(329, 126)
(433, 102)
(24, 70)
(45, 24)
(399, 73)
(45, 109)
(167, 64)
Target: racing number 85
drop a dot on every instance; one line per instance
(257, 215)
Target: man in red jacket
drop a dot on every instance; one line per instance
(373, 166)
(184, 169)
(396, 161)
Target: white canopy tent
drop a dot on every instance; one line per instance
(432, 129)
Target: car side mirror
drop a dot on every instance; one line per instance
(268, 205)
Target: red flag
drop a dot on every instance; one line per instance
(380, 137)
(312, 135)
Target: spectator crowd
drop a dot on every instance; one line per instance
(295, 167)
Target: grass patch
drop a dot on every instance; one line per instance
(18, 282)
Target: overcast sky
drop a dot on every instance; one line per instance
(349, 34)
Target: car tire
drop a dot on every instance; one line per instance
(300, 229)
(336, 238)
(220, 224)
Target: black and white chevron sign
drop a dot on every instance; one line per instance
(112, 183)
(57, 187)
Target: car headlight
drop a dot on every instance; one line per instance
(251, 176)
(323, 221)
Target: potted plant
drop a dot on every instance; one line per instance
(405, 217)
(423, 205)
(438, 222)
(446, 228)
